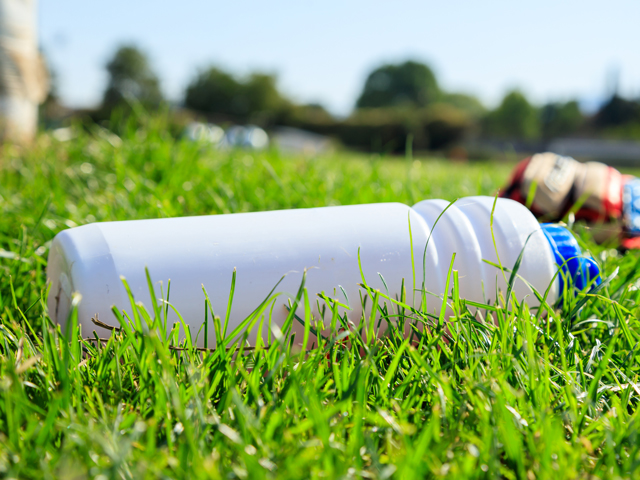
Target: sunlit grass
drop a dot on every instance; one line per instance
(530, 394)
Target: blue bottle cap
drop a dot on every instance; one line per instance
(576, 268)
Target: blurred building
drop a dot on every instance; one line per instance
(615, 152)
(620, 153)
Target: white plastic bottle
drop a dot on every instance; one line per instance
(264, 246)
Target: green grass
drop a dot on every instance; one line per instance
(550, 393)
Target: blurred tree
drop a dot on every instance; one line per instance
(24, 80)
(215, 91)
(560, 119)
(617, 111)
(131, 77)
(261, 93)
(409, 83)
(466, 103)
(515, 118)
(312, 114)
(51, 112)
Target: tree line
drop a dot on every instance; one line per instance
(398, 101)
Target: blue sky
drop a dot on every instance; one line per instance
(322, 51)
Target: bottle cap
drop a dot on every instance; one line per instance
(576, 268)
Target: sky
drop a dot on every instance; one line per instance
(322, 51)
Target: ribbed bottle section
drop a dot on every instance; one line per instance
(465, 228)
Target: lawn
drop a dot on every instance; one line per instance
(537, 394)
